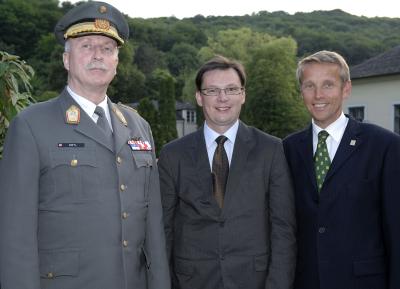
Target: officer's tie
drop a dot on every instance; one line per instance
(220, 170)
(102, 121)
(321, 159)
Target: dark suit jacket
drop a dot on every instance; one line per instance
(349, 236)
(250, 243)
(63, 216)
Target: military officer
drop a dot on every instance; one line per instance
(79, 191)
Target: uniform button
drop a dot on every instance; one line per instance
(125, 243)
(125, 215)
(74, 163)
(50, 275)
(221, 257)
(321, 230)
(222, 224)
(122, 187)
(119, 160)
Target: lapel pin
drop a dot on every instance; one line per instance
(353, 142)
(120, 116)
(73, 115)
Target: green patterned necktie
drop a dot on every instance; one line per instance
(321, 159)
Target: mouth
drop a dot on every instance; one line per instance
(320, 106)
(224, 108)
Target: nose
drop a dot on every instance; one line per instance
(319, 93)
(97, 52)
(222, 96)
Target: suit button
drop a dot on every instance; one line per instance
(50, 275)
(125, 215)
(221, 257)
(322, 230)
(122, 187)
(222, 223)
(125, 243)
(119, 160)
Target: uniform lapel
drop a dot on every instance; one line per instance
(86, 125)
(122, 133)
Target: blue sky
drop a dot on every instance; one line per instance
(190, 8)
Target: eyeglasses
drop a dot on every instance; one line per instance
(214, 91)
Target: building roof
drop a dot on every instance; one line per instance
(386, 63)
(178, 105)
(184, 105)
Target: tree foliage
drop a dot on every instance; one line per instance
(178, 47)
(273, 102)
(15, 90)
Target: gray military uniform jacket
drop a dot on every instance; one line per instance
(77, 211)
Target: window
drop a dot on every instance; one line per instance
(190, 116)
(357, 112)
(397, 118)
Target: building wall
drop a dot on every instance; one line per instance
(185, 126)
(378, 95)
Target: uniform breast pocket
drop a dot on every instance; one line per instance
(73, 174)
(143, 163)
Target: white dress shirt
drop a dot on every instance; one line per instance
(210, 136)
(89, 106)
(335, 130)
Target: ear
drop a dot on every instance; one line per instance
(199, 98)
(243, 96)
(66, 60)
(347, 89)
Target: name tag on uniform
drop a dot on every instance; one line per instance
(70, 145)
(139, 145)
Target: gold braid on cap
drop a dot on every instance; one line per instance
(99, 26)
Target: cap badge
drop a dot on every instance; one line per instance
(102, 9)
(73, 114)
(102, 24)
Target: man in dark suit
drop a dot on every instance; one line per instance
(80, 204)
(347, 187)
(242, 236)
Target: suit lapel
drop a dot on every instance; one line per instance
(350, 142)
(243, 145)
(305, 152)
(199, 157)
(86, 125)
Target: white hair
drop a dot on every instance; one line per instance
(67, 46)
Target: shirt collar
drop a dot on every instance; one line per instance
(87, 105)
(335, 129)
(210, 135)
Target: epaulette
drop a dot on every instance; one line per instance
(127, 106)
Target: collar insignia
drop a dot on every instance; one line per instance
(73, 115)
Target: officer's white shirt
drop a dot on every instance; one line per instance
(89, 106)
(336, 130)
(210, 136)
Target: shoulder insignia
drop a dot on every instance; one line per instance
(119, 115)
(127, 107)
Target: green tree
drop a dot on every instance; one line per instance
(166, 107)
(273, 103)
(128, 85)
(15, 90)
(149, 112)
